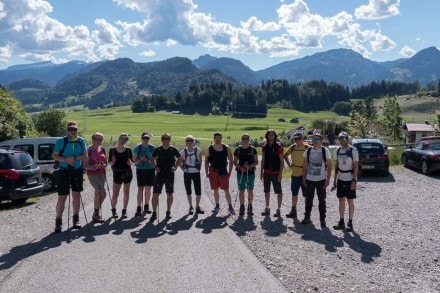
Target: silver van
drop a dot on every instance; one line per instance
(40, 149)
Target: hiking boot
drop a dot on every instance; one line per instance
(292, 213)
(250, 211)
(114, 214)
(306, 221)
(168, 215)
(277, 213)
(191, 210)
(199, 211)
(153, 217)
(340, 225)
(96, 217)
(349, 226)
(266, 212)
(58, 225)
(138, 212)
(147, 209)
(75, 222)
(323, 223)
(124, 214)
(241, 210)
(216, 209)
(231, 210)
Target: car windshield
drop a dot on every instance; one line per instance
(370, 148)
(433, 146)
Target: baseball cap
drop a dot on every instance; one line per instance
(189, 137)
(297, 135)
(72, 124)
(343, 134)
(317, 134)
(145, 134)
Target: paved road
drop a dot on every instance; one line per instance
(186, 254)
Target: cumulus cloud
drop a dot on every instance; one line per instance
(378, 9)
(107, 39)
(254, 24)
(148, 53)
(406, 51)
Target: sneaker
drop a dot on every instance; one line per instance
(191, 210)
(292, 213)
(75, 221)
(147, 209)
(199, 211)
(306, 221)
(266, 212)
(96, 217)
(153, 217)
(168, 215)
(216, 209)
(231, 210)
(250, 211)
(340, 225)
(58, 225)
(124, 214)
(349, 226)
(241, 210)
(277, 213)
(323, 223)
(138, 212)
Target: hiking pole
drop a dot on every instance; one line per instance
(84, 210)
(68, 215)
(238, 191)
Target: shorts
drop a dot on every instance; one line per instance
(70, 179)
(192, 177)
(97, 181)
(123, 176)
(295, 184)
(145, 177)
(271, 178)
(160, 180)
(343, 190)
(216, 181)
(245, 181)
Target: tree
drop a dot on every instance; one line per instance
(12, 114)
(370, 110)
(392, 118)
(51, 122)
(342, 108)
(437, 124)
(358, 125)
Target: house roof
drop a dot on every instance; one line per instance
(423, 127)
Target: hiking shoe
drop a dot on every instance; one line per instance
(266, 212)
(199, 211)
(147, 209)
(114, 214)
(138, 212)
(168, 215)
(58, 225)
(216, 209)
(340, 225)
(191, 210)
(277, 213)
(349, 226)
(75, 221)
(96, 217)
(241, 210)
(250, 211)
(292, 213)
(306, 221)
(231, 210)
(323, 223)
(153, 217)
(124, 214)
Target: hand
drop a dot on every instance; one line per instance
(305, 183)
(327, 183)
(129, 162)
(353, 185)
(70, 161)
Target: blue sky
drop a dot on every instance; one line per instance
(260, 33)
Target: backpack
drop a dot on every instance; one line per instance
(139, 152)
(65, 142)
(90, 151)
(323, 155)
(197, 163)
(250, 152)
(349, 154)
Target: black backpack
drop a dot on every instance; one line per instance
(324, 156)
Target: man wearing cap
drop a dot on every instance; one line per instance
(144, 172)
(346, 170)
(70, 151)
(316, 175)
(218, 170)
(296, 163)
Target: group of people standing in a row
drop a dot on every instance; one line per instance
(156, 165)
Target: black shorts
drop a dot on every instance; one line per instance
(70, 179)
(271, 178)
(192, 177)
(122, 176)
(343, 190)
(167, 179)
(145, 177)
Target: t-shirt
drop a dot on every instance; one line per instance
(121, 159)
(272, 161)
(75, 147)
(245, 155)
(297, 158)
(316, 170)
(190, 161)
(146, 151)
(166, 158)
(345, 163)
(96, 156)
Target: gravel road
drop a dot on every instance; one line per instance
(394, 248)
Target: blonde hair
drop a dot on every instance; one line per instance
(97, 134)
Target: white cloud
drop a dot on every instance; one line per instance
(406, 51)
(378, 9)
(107, 38)
(148, 53)
(254, 24)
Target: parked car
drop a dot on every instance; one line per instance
(430, 138)
(424, 155)
(372, 155)
(20, 177)
(40, 149)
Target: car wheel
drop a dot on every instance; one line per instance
(405, 161)
(20, 200)
(48, 182)
(425, 169)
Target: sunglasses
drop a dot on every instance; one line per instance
(316, 139)
(297, 138)
(189, 140)
(166, 138)
(123, 139)
(343, 138)
(98, 139)
(145, 137)
(72, 129)
(245, 138)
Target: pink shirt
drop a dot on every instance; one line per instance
(96, 156)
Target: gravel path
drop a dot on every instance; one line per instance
(395, 246)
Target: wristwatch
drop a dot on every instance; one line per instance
(355, 180)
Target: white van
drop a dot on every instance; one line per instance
(40, 149)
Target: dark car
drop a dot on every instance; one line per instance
(424, 155)
(372, 155)
(20, 178)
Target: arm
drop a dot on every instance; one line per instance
(231, 160)
(286, 156)
(280, 175)
(262, 165)
(207, 162)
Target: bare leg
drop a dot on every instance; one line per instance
(61, 203)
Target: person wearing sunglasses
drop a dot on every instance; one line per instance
(346, 171)
(70, 151)
(121, 159)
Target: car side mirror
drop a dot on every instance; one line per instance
(410, 147)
